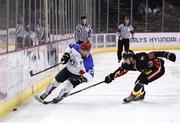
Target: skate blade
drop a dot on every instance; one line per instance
(39, 99)
(126, 102)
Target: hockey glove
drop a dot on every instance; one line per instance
(65, 58)
(83, 79)
(109, 78)
(170, 56)
(78, 79)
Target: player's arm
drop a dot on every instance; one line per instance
(90, 32)
(119, 72)
(86, 76)
(132, 31)
(66, 56)
(76, 34)
(118, 32)
(162, 54)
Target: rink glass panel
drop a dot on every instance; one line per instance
(3, 27)
(36, 28)
(14, 75)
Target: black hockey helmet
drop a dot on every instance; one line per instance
(128, 54)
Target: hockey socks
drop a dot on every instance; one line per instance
(49, 89)
(64, 92)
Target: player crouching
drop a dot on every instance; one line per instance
(150, 65)
(79, 69)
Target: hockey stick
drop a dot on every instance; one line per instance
(33, 74)
(47, 102)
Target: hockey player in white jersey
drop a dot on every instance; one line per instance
(79, 69)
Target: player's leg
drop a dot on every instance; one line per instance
(155, 74)
(49, 89)
(138, 92)
(142, 93)
(72, 82)
(120, 49)
(126, 44)
(64, 92)
(60, 77)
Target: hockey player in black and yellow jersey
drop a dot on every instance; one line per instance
(150, 65)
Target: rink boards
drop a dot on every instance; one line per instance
(17, 86)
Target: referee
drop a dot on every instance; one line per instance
(124, 31)
(83, 31)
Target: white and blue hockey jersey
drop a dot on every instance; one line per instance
(76, 63)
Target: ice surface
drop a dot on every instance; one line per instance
(103, 103)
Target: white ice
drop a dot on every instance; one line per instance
(103, 103)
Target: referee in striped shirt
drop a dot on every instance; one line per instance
(19, 34)
(83, 31)
(125, 30)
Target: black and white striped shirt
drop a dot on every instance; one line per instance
(125, 31)
(83, 32)
(40, 32)
(20, 30)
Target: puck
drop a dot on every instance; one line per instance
(14, 109)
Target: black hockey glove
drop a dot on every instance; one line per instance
(170, 56)
(109, 78)
(82, 79)
(65, 58)
(76, 80)
(79, 79)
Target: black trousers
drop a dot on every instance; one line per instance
(151, 76)
(19, 43)
(65, 74)
(121, 43)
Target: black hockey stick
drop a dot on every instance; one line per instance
(33, 74)
(47, 102)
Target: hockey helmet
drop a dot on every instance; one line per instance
(128, 54)
(86, 45)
